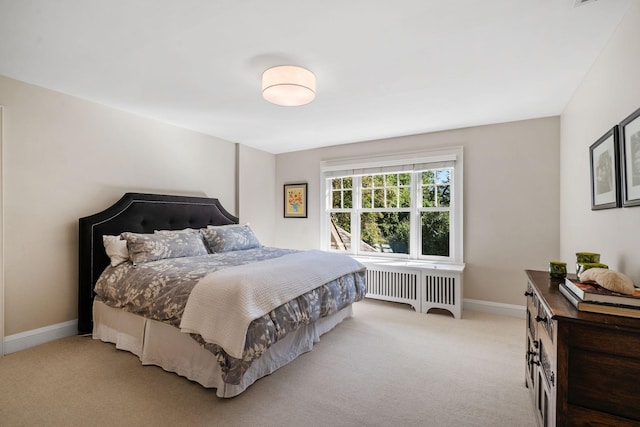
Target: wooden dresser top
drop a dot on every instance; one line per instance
(561, 308)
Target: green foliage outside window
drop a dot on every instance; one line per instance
(386, 231)
(435, 233)
(390, 231)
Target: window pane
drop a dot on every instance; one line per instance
(428, 196)
(367, 181)
(366, 198)
(378, 198)
(443, 176)
(435, 233)
(378, 180)
(405, 179)
(391, 179)
(444, 195)
(340, 231)
(347, 199)
(385, 232)
(336, 183)
(347, 182)
(405, 197)
(392, 197)
(428, 177)
(336, 201)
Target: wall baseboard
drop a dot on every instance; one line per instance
(24, 340)
(498, 308)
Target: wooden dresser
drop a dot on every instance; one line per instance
(583, 369)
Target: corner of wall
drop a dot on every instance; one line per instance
(1, 237)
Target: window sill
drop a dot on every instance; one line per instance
(419, 265)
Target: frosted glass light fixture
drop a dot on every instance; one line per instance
(288, 85)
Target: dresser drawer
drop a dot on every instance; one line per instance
(544, 319)
(604, 369)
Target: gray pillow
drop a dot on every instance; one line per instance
(184, 230)
(153, 247)
(230, 238)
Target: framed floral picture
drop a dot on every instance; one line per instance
(605, 188)
(630, 159)
(295, 200)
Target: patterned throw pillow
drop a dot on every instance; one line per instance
(230, 238)
(153, 247)
(184, 230)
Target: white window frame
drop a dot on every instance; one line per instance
(398, 162)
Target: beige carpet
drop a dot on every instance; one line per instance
(386, 366)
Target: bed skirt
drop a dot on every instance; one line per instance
(163, 345)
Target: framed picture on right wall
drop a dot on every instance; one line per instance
(629, 130)
(603, 154)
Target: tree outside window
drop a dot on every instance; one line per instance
(377, 210)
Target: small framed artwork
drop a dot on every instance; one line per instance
(629, 130)
(605, 188)
(295, 200)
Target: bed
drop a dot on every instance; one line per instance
(196, 293)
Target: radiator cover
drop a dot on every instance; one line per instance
(424, 287)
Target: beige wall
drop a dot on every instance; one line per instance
(511, 199)
(66, 158)
(257, 190)
(608, 93)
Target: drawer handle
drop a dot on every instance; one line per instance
(541, 319)
(534, 362)
(528, 293)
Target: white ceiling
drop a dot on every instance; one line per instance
(384, 68)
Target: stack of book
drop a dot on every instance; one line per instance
(596, 299)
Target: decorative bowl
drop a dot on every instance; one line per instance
(558, 269)
(587, 257)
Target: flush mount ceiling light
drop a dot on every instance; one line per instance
(288, 85)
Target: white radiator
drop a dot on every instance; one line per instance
(423, 286)
(394, 285)
(442, 289)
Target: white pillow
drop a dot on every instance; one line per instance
(116, 249)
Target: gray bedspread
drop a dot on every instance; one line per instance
(159, 290)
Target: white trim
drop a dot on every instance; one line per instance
(498, 308)
(429, 156)
(28, 339)
(443, 154)
(416, 264)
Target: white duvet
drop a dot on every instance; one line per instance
(223, 304)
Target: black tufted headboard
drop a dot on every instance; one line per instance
(138, 213)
